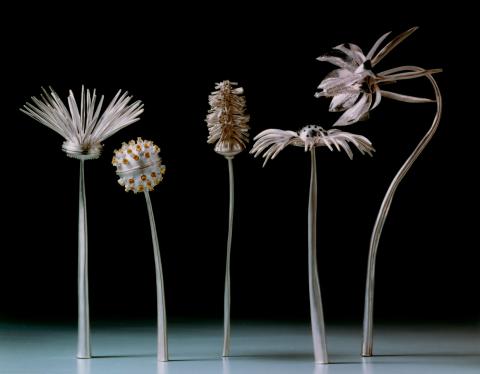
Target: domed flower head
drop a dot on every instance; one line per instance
(139, 165)
(272, 141)
(355, 88)
(226, 120)
(84, 127)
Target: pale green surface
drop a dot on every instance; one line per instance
(257, 348)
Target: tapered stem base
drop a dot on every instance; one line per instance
(162, 341)
(83, 348)
(316, 309)
(226, 299)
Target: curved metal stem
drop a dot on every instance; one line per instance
(226, 299)
(316, 310)
(83, 347)
(162, 342)
(367, 345)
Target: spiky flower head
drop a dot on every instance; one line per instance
(84, 127)
(139, 165)
(226, 120)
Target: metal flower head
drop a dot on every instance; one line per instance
(84, 127)
(226, 120)
(355, 88)
(272, 141)
(139, 165)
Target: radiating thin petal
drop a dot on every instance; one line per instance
(391, 45)
(376, 45)
(272, 141)
(381, 77)
(405, 98)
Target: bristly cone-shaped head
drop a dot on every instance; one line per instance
(139, 165)
(226, 120)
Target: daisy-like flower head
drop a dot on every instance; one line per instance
(355, 88)
(272, 141)
(139, 165)
(84, 127)
(226, 120)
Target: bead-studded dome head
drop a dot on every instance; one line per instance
(139, 165)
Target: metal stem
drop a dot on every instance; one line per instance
(226, 299)
(316, 310)
(162, 342)
(367, 345)
(83, 349)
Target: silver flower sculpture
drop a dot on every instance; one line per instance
(83, 127)
(140, 169)
(227, 124)
(270, 142)
(355, 89)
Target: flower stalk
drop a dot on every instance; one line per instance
(162, 343)
(226, 299)
(227, 124)
(316, 309)
(83, 347)
(367, 343)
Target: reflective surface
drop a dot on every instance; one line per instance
(256, 348)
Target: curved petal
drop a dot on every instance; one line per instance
(343, 101)
(374, 48)
(407, 74)
(405, 98)
(356, 112)
(272, 141)
(353, 51)
(391, 45)
(337, 61)
(341, 140)
(378, 96)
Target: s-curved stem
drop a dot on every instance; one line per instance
(367, 345)
(162, 342)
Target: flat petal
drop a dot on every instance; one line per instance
(391, 45)
(405, 98)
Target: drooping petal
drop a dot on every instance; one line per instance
(272, 141)
(391, 45)
(405, 98)
(341, 140)
(356, 112)
(343, 101)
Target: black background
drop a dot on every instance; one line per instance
(170, 59)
